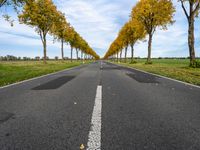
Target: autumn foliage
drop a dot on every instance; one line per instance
(44, 17)
(146, 17)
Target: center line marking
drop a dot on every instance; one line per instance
(94, 138)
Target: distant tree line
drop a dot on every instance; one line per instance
(14, 58)
(37, 58)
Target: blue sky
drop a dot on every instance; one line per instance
(98, 22)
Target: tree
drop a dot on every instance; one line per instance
(77, 42)
(130, 33)
(152, 14)
(59, 30)
(135, 32)
(194, 6)
(123, 37)
(71, 38)
(115, 48)
(41, 15)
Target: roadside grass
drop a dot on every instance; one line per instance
(173, 68)
(15, 71)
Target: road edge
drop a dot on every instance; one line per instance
(185, 83)
(31, 79)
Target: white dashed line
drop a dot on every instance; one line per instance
(94, 138)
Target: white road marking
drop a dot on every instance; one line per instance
(94, 138)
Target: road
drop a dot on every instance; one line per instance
(102, 106)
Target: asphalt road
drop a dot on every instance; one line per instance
(102, 106)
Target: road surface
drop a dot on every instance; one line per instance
(100, 106)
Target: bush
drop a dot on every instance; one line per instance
(196, 64)
(149, 63)
(133, 62)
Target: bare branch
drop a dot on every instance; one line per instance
(2, 2)
(196, 8)
(41, 37)
(185, 11)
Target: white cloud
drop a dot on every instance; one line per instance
(97, 21)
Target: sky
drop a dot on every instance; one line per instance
(98, 22)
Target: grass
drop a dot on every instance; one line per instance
(173, 68)
(12, 72)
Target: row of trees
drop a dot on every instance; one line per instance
(37, 58)
(43, 16)
(146, 17)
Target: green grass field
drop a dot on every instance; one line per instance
(12, 72)
(173, 68)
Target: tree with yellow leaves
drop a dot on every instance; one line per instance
(130, 33)
(153, 14)
(124, 38)
(41, 15)
(72, 40)
(136, 32)
(59, 30)
(77, 42)
(115, 48)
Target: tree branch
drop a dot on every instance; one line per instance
(3, 2)
(41, 37)
(185, 11)
(196, 8)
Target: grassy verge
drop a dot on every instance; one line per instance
(173, 68)
(12, 72)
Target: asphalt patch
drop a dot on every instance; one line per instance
(54, 84)
(142, 77)
(5, 116)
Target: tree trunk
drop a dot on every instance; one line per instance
(71, 53)
(45, 48)
(117, 57)
(77, 54)
(82, 56)
(149, 48)
(191, 41)
(126, 53)
(132, 52)
(121, 56)
(62, 51)
(44, 42)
